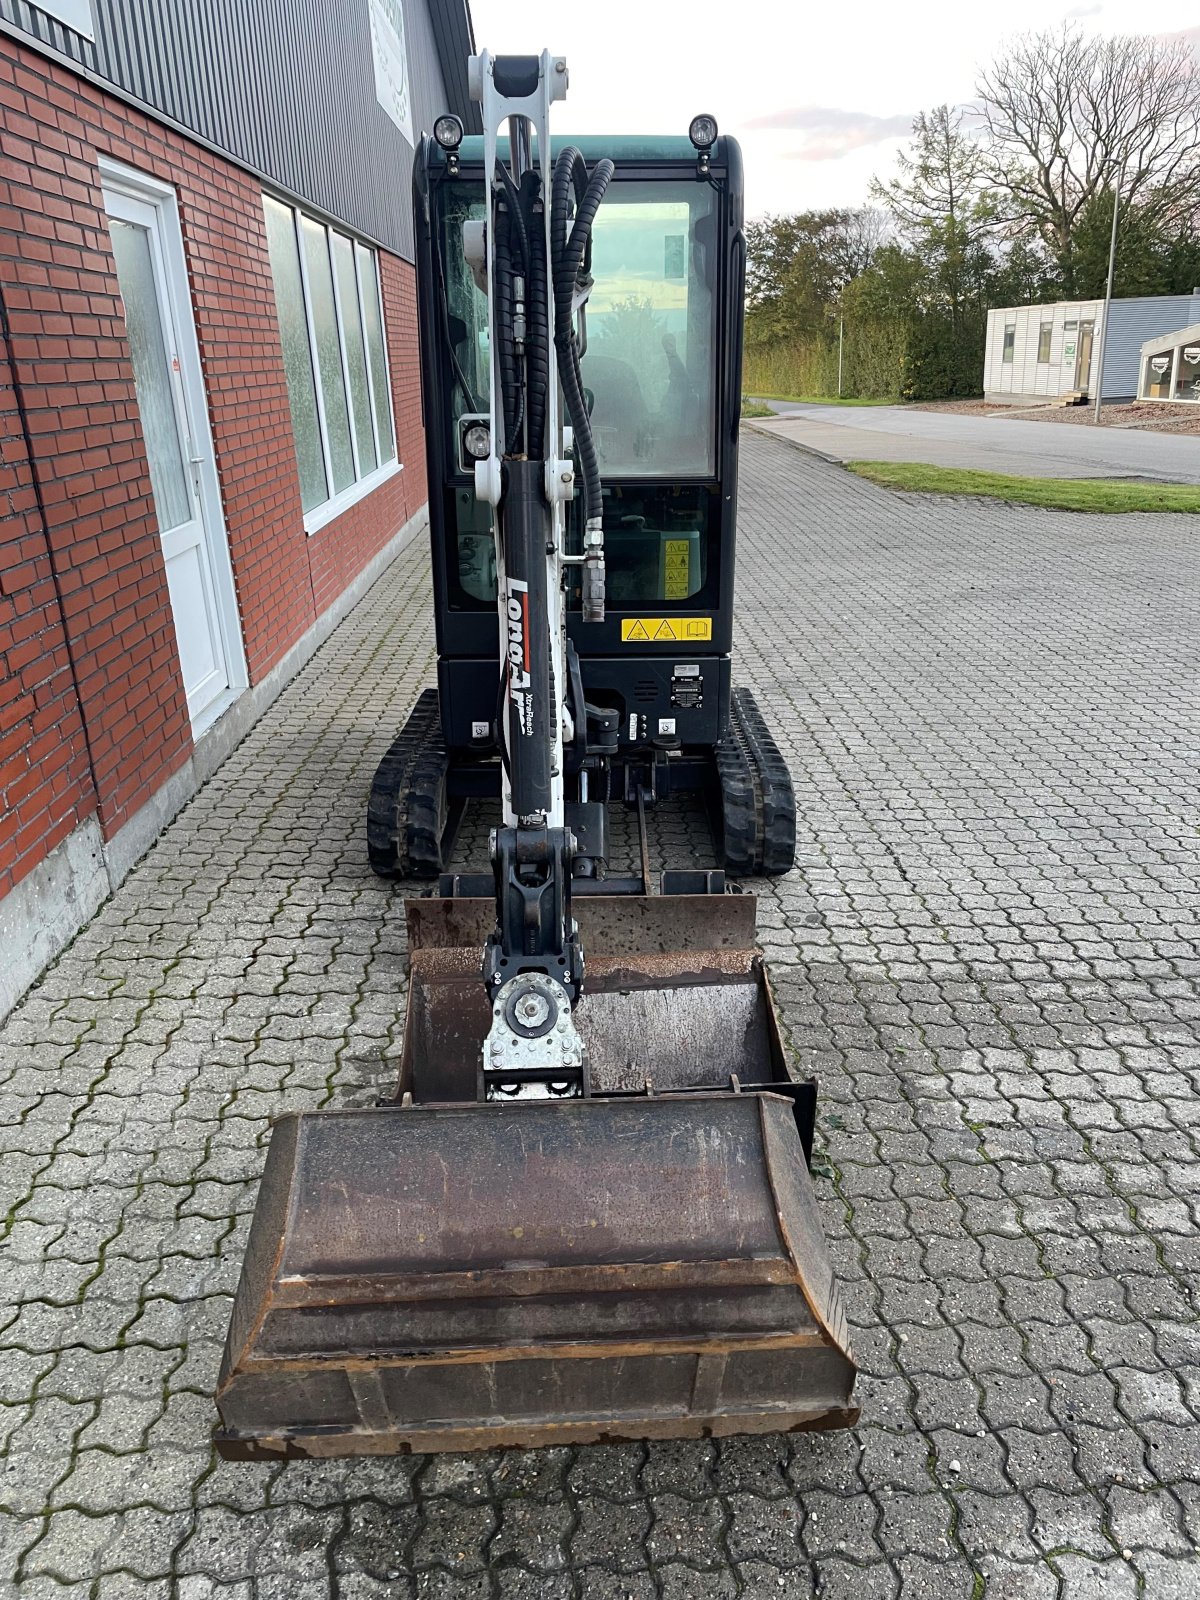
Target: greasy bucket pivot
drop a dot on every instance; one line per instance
(459, 1277)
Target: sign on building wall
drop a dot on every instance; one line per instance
(77, 14)
(391, 63)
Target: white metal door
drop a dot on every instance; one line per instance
(162, 343)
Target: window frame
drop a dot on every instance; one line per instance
(1009, 345)
(1045, 341)
(364, 484)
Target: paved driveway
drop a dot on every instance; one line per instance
(989, 954)
(990, 443)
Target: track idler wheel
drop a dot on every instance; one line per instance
(408, 807)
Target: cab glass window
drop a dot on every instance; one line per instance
(466, 329)
(648, 373)
(648, 364)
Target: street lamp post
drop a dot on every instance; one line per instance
(1112, 262)
(841, 340)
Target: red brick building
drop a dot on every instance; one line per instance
(209, 400)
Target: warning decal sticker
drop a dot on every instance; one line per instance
(676, 585)
(665, 630)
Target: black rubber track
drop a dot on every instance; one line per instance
(739, 805)
(758, 805)
(408, 806)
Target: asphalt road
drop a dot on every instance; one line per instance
(990, 443)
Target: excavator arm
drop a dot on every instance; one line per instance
(532, 256)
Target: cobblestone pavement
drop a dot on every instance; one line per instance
(988, 952)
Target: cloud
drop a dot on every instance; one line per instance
(1076, 13)
(830, 132)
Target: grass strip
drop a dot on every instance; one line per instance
(1061, 494)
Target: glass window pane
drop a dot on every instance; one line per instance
(1158, 375)
(655, 543)
(1188, 386)
(329, 352)
(650, 320)
(152, 375)
(297, 352)
(376, 353)
(356, 352)
(466, 309)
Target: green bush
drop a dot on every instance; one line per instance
(872, 364)
(920, 357)
(800, 367)
(942, 362)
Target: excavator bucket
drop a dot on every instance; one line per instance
(642, 1262)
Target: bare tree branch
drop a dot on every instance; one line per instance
(1067, 118)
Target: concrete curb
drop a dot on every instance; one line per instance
(794, 444)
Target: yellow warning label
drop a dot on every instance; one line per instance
(675, 569)
(665, 630)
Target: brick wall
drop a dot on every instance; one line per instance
(69, 352)
(45, 780)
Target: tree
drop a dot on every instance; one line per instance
(797, 267)
(1068, 118)
(1152, 257)
(939, 206)
(1023, 274)
(890, 289)
(938, 282)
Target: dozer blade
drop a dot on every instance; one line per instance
(647, 1262)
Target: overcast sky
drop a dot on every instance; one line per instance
(820, 96)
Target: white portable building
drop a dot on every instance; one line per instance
(1037, 353)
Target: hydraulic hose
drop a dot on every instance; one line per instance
(516, 213)
(568, 253)
(570, 258)
(537, 345)
(510, 382)
(520, 313)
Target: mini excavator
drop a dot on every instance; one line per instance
(586, 1214)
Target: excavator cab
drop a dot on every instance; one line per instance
(584, 1212)
(660, 361)
(660, 343)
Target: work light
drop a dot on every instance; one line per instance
(448, 131)
(702, 131)
(477, 441)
